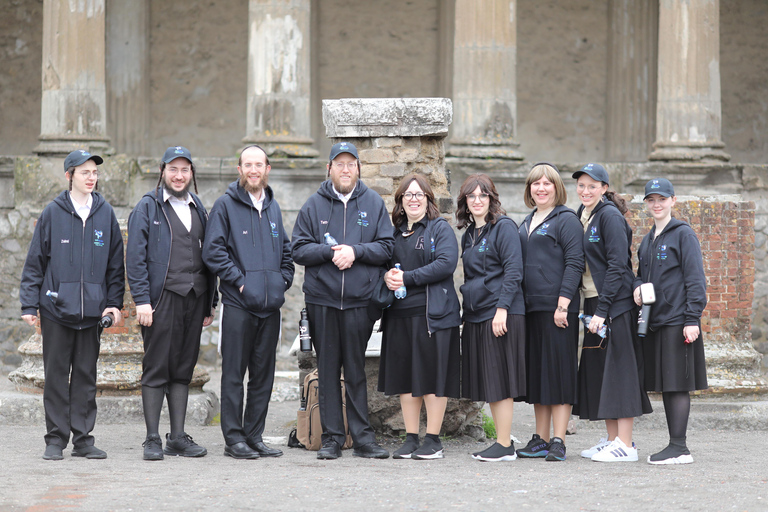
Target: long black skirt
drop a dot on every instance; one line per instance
(611, 371)
(671, 364)
(493, 368)
(552, 359)
(414, 362)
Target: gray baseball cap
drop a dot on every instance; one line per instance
(79, 157)
(595, 171)
(343, 147)
(661, 186)
(174, 152)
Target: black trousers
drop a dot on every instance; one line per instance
(172, 342)
(340, 338)
(69, 396)
(247, 343)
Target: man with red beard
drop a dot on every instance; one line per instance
(342, 236)
(175, 296)
(247, 247)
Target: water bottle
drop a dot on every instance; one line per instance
(330, 240)
(585, 319)
(52, 295)
(305, 340)
(400, 293)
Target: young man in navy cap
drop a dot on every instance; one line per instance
(175, 296)
(74, 276)
(341, 273)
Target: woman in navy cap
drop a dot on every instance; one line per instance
(669, 257)
(610, 380)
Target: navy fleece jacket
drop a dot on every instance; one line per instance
(554, 260)
(672, 262)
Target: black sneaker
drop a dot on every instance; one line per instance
(153, 447)
(675, 453)
(370, 451)
(536, 447)
(330, 450)
(89, 452)
(404, 452)
(496, 453)
(53, 452)
(183, 446)
(556, 450)
(431, 449)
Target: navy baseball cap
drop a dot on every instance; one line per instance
(595, 171)
(79, 157)
(661, 186)
(174, 152)
(343, 147)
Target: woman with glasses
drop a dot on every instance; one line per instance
(610, 386)
(420, 346)
(554, 261)
(493, 339)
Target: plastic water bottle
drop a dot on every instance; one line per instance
(52, 295)
(585, 319)
(330, 240)
(400, 293)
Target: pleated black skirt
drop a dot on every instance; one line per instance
(493, 368)
(671, 364)
(611, 375)
(414, 362)
(551, 359)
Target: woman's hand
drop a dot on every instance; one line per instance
(596, 323)
(499, 323)
(691, 333)
(393, 279)
(561, 314)
(638, 299)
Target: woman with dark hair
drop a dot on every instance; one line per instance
(554, 260)
(670, 257)
(493, 339)
(610, 386)
(420, 346)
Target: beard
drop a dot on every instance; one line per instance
(254, 189)
(341, 188)
(180, 194)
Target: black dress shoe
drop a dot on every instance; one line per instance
(53, 452)
(330, 450)
(264, 450)
(371, 451)
(89, 452)
(240, 451)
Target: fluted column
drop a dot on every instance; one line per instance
(73, 110)
(278, 114)
(484, 80)
(688, 111)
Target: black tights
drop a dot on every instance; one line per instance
(152, 400)
(677, 407)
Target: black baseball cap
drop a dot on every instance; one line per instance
(595, 171)
(174, 152)
(661, 186)
(343, 147)
(79, 157)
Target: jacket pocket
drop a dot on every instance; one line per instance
(476, 295)
(537, 282)
(94, 301)
(68, 302)
(264, 290)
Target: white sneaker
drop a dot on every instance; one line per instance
(617, 451)
(587, 454)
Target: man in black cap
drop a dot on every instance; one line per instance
(175, 297)
(74, 276)
(342, 236)
(247, 247)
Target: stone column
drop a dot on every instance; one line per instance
(128, 75)
(688, 112)
(631, 99)
(484, 80)
(278, 106)
(74, 104)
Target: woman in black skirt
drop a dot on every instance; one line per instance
(554, 261)
(610, 379)
(670, 258)
(493, 339)
(420, 347)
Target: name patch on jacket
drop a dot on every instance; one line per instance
(661, 254)
(98, 238)
(362, 218)
(542, 230)
(593, 235)
(64, 241)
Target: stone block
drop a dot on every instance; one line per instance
(370, 170)
(407, 155)
(394, 170)
(387, 117)
(382, 186)
(376, 156)
(387, 142)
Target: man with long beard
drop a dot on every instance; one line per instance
(247, 247)
(175, 297)
(341, 271)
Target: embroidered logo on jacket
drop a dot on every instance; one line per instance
(661, 254)
(362, 218)
(542, 230)
(593, 235)
(420, 244)
(432, 244)
(274, 229)
(98, 238)
(483, 245)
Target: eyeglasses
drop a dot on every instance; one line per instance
(257, 165)
(176, 170)
(88, 174)
(339, 166)
(471, 198)
(410, 195)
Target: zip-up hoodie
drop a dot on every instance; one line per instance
(673, 263)
(554, 260)
(493, 271)
(251, 249)
(82, 263)
(440, 257)
(607, 248)
(148, 252)
(363, 223)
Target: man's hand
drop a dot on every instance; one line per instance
(144, 314)
(30, 319)
(344, 256)
(116, 313)
(209, 319)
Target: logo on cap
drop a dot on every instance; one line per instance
(179, 151)
(655, 184)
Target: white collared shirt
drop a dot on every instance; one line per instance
(181, 207)
(343, 197)
(83, 210)
(257, 203)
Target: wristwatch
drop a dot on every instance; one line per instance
(561, 309)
